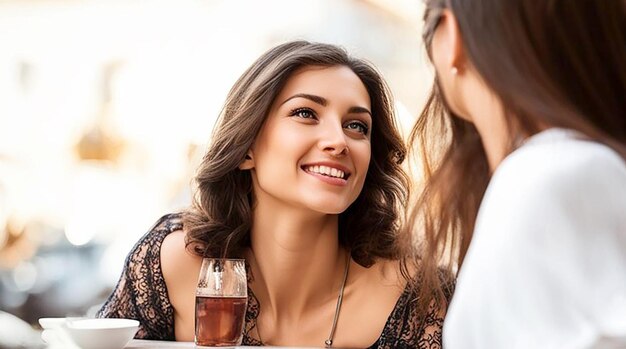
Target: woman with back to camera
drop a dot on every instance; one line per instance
(531, 98)
(303, 180)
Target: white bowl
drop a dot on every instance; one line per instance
(52, 323)
(104, 333)
(53, 330)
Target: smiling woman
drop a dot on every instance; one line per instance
(303, 181)
(314, 150)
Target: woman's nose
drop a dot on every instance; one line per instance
(333, 140)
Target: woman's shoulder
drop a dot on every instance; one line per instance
(174, 254)
(167, 224)
(141, 292)
(413, 291)
(555, 198)
(408, 326)
(551, 172)
(146, 250)
(550, 156)
(155, 236)
(407, 277)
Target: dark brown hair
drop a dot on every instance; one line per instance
(554, 63)
(218, 224)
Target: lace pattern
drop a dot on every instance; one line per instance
(141, 294)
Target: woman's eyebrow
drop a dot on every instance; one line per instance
(324, 102)
(317, 99)
(357, 110)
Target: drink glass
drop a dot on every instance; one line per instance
(221, 302)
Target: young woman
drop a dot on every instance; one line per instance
(303, 180)
(529, 103)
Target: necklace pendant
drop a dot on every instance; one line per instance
(329, 343)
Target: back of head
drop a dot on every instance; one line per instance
(551, 62)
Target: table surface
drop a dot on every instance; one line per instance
(140, 344)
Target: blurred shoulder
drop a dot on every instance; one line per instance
(560, 162)
(559, 193)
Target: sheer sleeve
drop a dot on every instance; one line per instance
(405, 329)
(429, 333)
(141, 293)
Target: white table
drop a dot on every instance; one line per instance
(141, 344)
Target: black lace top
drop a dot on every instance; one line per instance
(141, 294)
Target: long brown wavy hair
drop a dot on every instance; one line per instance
(555, 63)
(218, 223)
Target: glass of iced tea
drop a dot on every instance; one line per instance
(221, 302)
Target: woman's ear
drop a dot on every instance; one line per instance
(450, 44)
(248, 162)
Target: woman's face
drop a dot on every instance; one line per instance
(313, 151)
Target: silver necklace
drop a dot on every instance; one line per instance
(329, 342)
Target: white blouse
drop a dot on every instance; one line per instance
(546, 267)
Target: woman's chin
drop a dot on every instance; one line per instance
(330, 209)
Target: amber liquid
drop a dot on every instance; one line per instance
(220, 320)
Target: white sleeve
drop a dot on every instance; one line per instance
(547, 264)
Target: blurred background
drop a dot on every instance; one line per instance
(107, 106)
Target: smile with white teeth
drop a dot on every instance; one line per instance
(326, 171)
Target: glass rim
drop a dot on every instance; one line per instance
(225, 259)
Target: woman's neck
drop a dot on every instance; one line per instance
(486, 112)
(296, 260)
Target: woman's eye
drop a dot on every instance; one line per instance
(304, 113)
(358, 126)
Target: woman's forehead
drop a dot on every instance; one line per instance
(329, 82)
